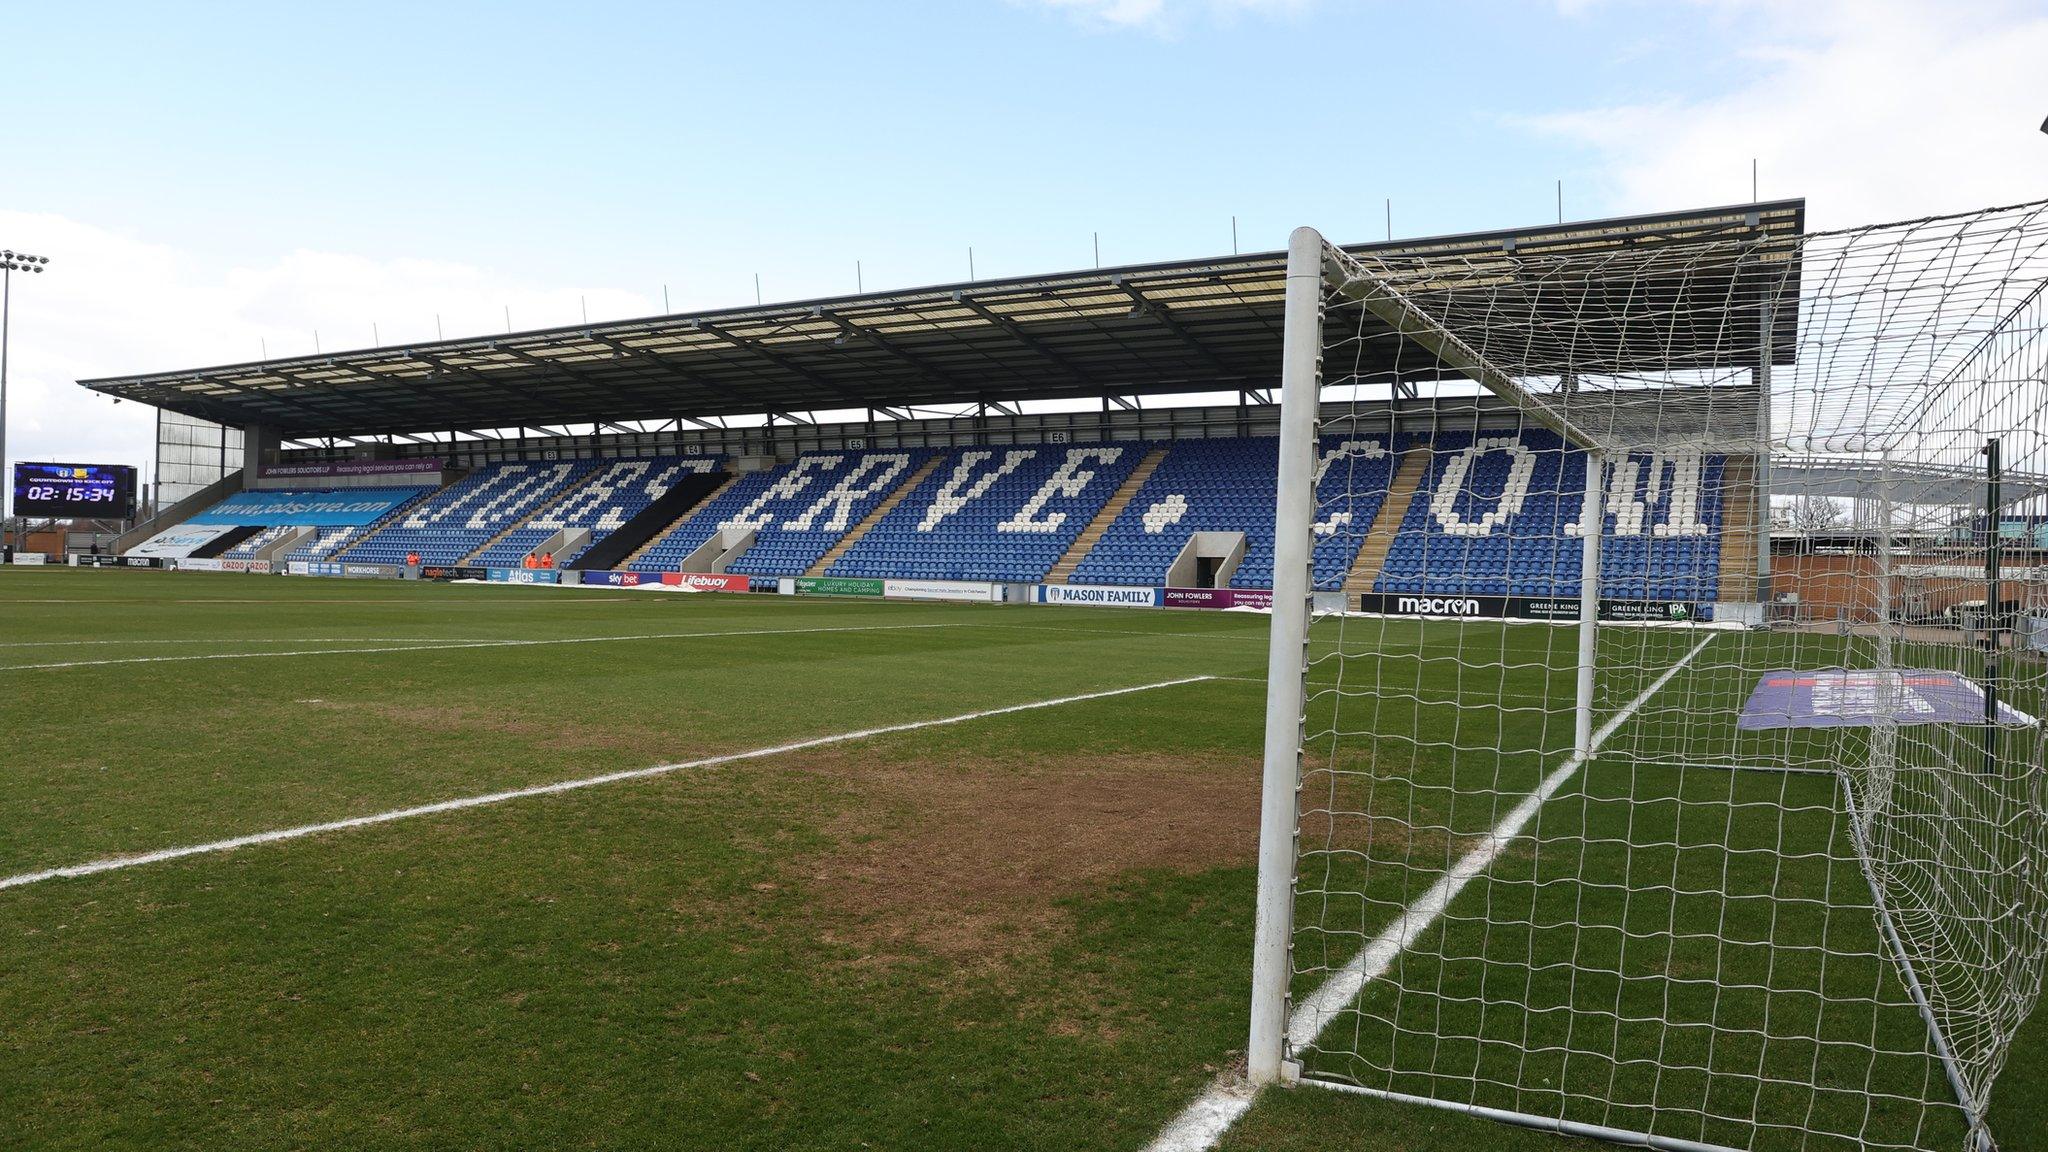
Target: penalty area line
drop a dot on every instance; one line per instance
(1204, 1122)
(160, 855)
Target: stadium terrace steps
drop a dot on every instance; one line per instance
(587, 514)
(1497, 515)
(1092, 534)
(622, 545)
(257, 546)
(859, 530)
(226, 541)
(1227, 485)
(539, 510)
(453, 522)
(286, 540)
(1379, 538)
(812, 502)
(1737, 577)
(334, 543)
(655, 539)
(1001, 512)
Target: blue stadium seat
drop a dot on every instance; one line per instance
(1228, 485)
(460, 518)
(602, 503)
(1497, 514)
(996, 513)
(247, 549)
(797, 511)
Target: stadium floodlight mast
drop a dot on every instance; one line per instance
(10, 263)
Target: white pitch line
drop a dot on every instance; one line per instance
(286, 603)
(432, 646)
(235, 640)
(1204, 1122)
(159, 856)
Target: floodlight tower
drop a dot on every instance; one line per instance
(10, 263)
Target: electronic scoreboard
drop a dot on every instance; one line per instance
(86, 491)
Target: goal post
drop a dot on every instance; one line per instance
(1286, 661)
(1639, 793)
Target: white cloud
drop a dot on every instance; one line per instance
(1874, 110)
(1162, 16)
(112, 304)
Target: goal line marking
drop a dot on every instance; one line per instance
(235, 640)
(160, 855)
(1205, 1121)
(426, 645)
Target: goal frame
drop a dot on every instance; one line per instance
(1309, 280)
(1293, 593)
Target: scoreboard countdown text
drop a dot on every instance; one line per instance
(90, 491)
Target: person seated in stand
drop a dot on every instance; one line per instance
(547, 559)
(527, 561)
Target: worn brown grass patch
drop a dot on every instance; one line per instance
(970, 858)
(556, 733)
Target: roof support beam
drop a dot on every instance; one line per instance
(665, 369)
(1018, 333)
(780, 361)
(570, 370)
(482, 379)
(1164, 317)
(850, 331)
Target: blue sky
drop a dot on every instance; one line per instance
(637, 143)
(216, 180)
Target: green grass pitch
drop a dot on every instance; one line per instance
(1030, 930)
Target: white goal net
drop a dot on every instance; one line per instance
(1720, 826)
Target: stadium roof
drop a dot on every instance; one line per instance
(1192, 326)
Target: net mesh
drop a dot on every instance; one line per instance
(1792, 899)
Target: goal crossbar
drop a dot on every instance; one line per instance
(1351, 279)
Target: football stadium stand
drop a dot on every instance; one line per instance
(327, 543)
(1227, 486)
(1485, 512)
(592, 510)
(247, 549)
(264, 520)
(782, 521)
(467, 514)
(1497, 514)
(1002, 513)
(566, 434)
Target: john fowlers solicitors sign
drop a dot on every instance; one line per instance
(354, 468)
